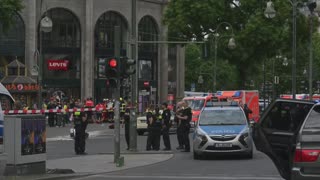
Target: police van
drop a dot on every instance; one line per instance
(6, 102)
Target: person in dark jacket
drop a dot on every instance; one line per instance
(149, 114)
(247, 111)
(185, 117)
(166, 124)
(126, 118)
(80, 120)
(179, 126)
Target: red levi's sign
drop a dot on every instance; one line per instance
(58, 65)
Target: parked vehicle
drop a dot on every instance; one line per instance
(196, 103)
(222, 129)
(289, 133)
(249, 97)
(7, 100)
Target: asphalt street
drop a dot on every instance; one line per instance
(181, 166)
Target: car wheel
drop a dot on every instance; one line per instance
(196, 156)
(140, 132)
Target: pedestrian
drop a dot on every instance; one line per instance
(99, 109)
(126, 118)
(179, 109)
(185, 124)
(80, 119)
(157, 123)
(51, 106)
(89, 104)
(166, 124)
(247, 111)
(149, 114)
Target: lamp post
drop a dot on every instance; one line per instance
(45, 26)
(271, 13)
(231, 45)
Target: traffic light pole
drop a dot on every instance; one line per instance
(135, 88)
(117, 97)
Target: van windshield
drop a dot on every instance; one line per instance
(197, 104)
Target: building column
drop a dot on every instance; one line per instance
(31, 35)
(163, 67)
(87, 53)
(180, 72)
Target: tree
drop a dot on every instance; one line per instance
(8, 8)
(258, 38)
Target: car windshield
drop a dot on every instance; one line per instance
(222, 117)
(313, 121)
(197, 104)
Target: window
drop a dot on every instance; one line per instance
(313, 120)
(286, 116)
(12, 71)
(222, 117)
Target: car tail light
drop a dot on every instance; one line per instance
(306, 155)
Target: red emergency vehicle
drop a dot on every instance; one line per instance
(249, 97)
(196, 103)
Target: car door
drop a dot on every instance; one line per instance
(275, 134)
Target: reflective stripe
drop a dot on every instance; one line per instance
(77, 113)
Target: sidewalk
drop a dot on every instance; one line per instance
(67, 168)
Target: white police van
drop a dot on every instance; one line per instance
(4, 96)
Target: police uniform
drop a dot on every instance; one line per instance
(127, 126)
(79, 126)
(186, 128)
(149, 114)
(166, 115)
(156, 130)
(122, 108)
(179, 129)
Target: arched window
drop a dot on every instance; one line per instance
(104, 33)
(12, 43)
(148, 31)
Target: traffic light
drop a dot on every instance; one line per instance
(112, 72)
(127, 67)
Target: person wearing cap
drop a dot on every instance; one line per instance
(166, 124)
(80, 119)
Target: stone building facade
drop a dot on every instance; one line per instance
(82, 37)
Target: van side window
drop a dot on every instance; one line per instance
(286, 116)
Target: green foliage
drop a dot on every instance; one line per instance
(8, 9)
(258, 38)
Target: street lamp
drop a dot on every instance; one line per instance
(231, 45)
(45, 26)
(271, 13)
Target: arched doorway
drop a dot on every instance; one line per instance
(148, 61)
(104, 49)
(61, 49)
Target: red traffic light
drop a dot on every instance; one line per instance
(146, 83)
(113, 63)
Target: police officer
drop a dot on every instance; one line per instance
(149, 114)
(179, 126)
(157, 123)
(185, 118)
(80, 119)
(122, 108)
(127, 126)
(166, 124)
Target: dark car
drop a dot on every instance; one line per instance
(289, 133)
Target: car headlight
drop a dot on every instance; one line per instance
(243, 137)
(201, 136)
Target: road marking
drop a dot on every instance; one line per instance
(213, 177)
(92, 134)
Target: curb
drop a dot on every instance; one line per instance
(77, 175)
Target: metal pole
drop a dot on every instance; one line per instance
(311, 57)
(117, 97)
(274, 81)
(215, 65)
(40, 71)
(264, 84)
(135, 87)
(294, 47)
